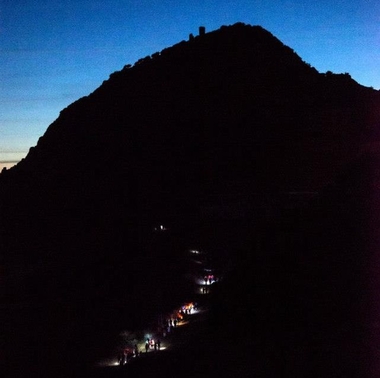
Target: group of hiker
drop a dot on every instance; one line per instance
(152, 344)
(128, 353)
(174, 319)
(171, 322)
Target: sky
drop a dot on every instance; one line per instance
(54, 52)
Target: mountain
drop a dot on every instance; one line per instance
(230, 110)
(228, 120)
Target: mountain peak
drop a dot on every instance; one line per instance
(224, 139)
(229, 108)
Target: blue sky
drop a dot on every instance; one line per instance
(54, 52)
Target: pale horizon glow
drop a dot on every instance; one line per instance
(52, 53)
(8, 164)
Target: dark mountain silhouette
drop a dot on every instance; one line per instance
(227, 121)
(232, 110)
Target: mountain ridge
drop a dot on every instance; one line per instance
(185, 47)
(230, 108)
(231, 123)
(233, 110)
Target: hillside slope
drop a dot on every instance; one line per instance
(218, 118)
(231, 108)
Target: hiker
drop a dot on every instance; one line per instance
(136, 350)
(155, 345)
(120, 358)
(126, 352)
(158, 344)
(175, 322)
(147, 346)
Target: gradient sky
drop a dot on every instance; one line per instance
(54, 52)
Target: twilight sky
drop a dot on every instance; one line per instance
(53, 52)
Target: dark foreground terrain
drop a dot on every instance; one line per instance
(278, 311)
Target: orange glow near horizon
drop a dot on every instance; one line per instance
(7, 164)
